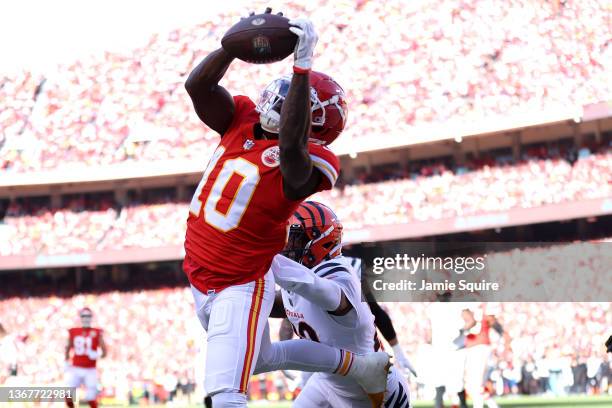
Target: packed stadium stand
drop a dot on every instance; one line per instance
(464, 118)
(150, 347)
(447, 62)
(436, 192)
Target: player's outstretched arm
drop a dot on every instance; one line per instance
(295, 277)
(213, 103)
(299, 179)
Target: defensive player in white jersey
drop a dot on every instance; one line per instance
(382, 321)
(322, 299)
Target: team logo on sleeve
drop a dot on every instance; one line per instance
(271, 156)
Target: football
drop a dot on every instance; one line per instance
(260, 39)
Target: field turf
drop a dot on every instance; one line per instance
(512, 402)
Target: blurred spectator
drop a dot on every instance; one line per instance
(31, 227)
(153, 339)
(402, 65)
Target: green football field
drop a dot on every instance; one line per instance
(515, 402)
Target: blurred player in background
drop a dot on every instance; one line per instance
(478, 350)
(271, 157)
(321, 296)
(87, 345)
(448, 354)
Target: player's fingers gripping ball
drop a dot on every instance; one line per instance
(307, 40)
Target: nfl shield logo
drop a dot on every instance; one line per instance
(248, 144)
(261, 45)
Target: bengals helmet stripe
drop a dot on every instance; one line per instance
(318, 218)
(315, 234)
(306, 215)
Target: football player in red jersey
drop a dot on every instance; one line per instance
(87, 344)
(270, 158)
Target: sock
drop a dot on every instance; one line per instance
(346, 363)
(301, 355)
(93, 404)
(69, 403)
(439, 401)
(462, 399)
(229, 399)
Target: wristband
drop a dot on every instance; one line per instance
(298, 70)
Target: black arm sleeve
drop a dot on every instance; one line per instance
(381, 318)
(382, 321)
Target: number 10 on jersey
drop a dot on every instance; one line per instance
(225, 212)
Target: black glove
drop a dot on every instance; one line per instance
(609, 345)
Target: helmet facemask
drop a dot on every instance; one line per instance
(298, 244)
(270, 103)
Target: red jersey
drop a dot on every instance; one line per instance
(482, 337)
(84, 342)
(238, 215)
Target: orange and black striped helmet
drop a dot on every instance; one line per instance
(315, 234)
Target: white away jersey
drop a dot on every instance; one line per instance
(354, 331)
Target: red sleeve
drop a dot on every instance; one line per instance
(244, 110)
(327, 163)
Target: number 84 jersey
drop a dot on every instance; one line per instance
(238, 214)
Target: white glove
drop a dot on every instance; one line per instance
(307, 39)
(401, 359)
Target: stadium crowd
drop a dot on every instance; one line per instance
(156, 344)
(402, 65)
(433, 192)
